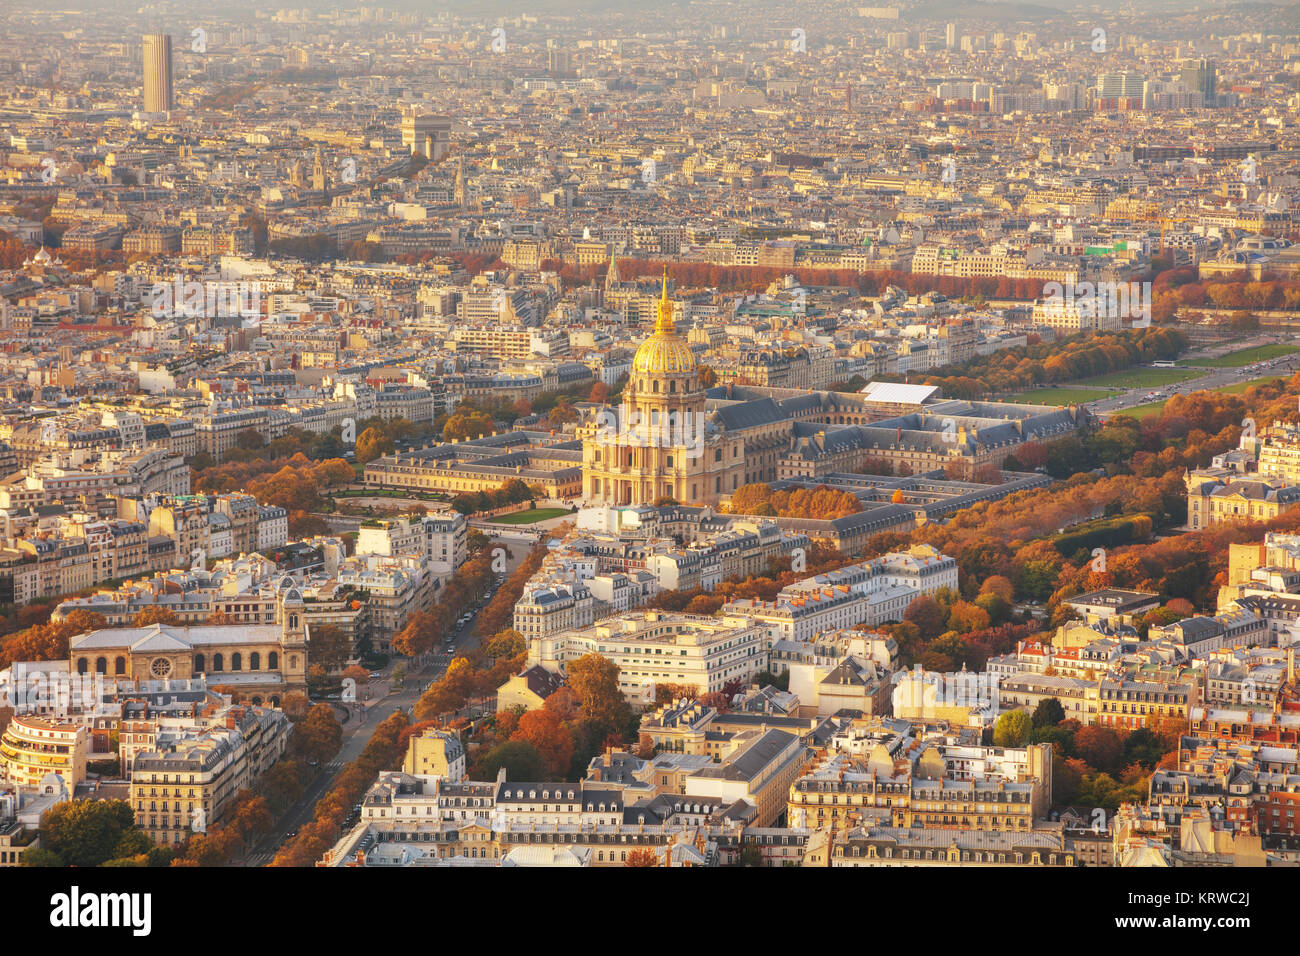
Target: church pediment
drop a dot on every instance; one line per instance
(160, 641)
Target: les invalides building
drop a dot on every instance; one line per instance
(661, 442)
(672, 440)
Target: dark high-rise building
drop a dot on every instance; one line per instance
(1199, 76)
(157, 73)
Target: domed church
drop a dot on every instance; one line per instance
(672, 439)
(662, 442)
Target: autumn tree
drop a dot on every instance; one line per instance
(924, 611)
(357, 673)
(544, 730)
(156, 614)
(48, 641)
(565, 704)
(507, 643)
(642, 856)
(1100, 747)
(466, 425)
(595, 679)
(371, 444)
(964, 616)
(330, 645)
(318, 736)
(420, 635)
(335, 471)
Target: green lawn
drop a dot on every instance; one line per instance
(1140, 378)
(1143, 411)
(1155, 408)
(1241, 387)
(1259, 353)
(1062, 396)
(530, 517)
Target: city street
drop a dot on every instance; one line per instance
(1213, 378)
(359, 725)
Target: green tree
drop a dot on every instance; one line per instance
(43, 857)
(1048, 713)
(520, 759)
(750, 855)
(1012, 729)
(1144, 747)
(88, 832)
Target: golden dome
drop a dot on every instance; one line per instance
(665, 351)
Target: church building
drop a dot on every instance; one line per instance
(262, 662)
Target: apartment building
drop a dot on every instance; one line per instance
(655, 647)
(188, 783)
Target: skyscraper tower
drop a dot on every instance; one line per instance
(1199, 77)
(157, 73)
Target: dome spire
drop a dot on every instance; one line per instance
(664, 324)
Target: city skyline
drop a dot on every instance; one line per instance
(605, 435)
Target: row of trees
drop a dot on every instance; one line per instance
(48, 641)
(820, 502)
(1034, 540)
(383, 751)
(500, 611)
(1040, 363)
(297, 485)
(1180, 288)
(512, 492)
(757, 278)
(467, 584)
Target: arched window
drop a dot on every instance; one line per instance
(293, 622)
(101, 665)
(200, 664)
(254, 661)
(218, 662)
(273, 661)
(275, 701)
(119, 665)
(656, 385)
(236, 661)
(81, 665)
